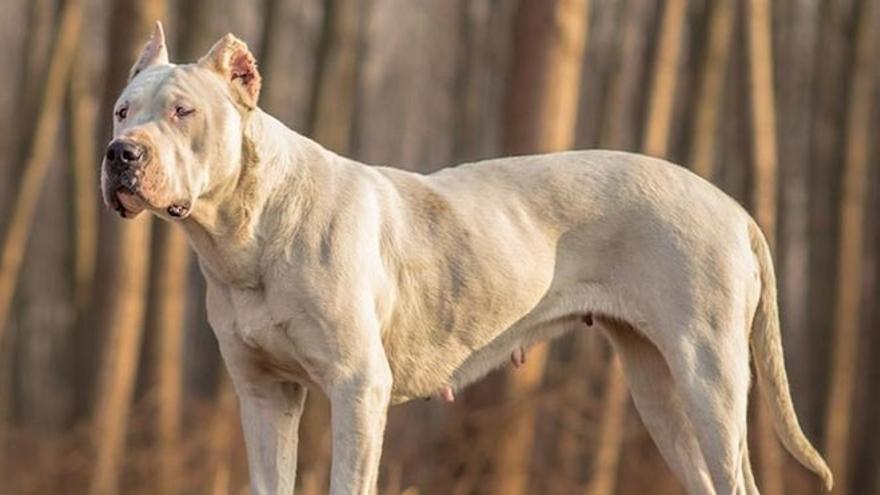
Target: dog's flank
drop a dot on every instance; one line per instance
(379, 286)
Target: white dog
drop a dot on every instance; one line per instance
(377, 286)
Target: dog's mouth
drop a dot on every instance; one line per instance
(129, 205)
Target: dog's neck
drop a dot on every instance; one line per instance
(225, 224)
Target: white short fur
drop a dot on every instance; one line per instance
(379, 286)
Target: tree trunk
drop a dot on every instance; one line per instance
(121, 356)
(623, 123)
(336, 75)
(37, 161)
(18, 26)
(168, 306)
(764, 160)
(795, 42)
(82, 107)
(40, 154)
(826, 154)
(655, 142)
(656, 139)
(41, 25)
(611, 428)
(542, 100)
(127, 274)
(404, 113)
(544, 89)
(844, 364)
(709, 99)
(221, 434)
(288, 59)
(483, 61)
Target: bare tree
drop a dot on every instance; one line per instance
(43, 357)
(764, 159)
(655, 142)
(549, 43)
(220, 443)
(794, 43)
(404, 111)
(662, 93)
(709, 99)
(289, 51)
(130, 23)
(169, 304)
(37, 163)
(826, 141)
(850, 252)
(333, 106)
(82, 109)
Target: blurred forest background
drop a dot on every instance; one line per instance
(110, 380)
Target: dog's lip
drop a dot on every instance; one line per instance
(127, 203)
(131, 202)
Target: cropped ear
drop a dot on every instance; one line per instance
(154, 53)
(231, 58)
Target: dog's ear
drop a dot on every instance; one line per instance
(231, 58)
(155, 52)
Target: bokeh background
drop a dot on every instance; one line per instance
(110, 380)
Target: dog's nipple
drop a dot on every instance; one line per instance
(447, 394)
(518, 357)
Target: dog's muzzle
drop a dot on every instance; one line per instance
(123, 163)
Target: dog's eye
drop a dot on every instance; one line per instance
(181, 111)
(122, 113)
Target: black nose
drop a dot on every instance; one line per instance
(125, 154)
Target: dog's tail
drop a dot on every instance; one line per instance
(766, 343)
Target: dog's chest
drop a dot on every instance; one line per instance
(249, 318)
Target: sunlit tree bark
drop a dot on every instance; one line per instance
(848, 309)
(764, 198)
(709, 100)
(37, 162)
(655, 142)
(826, 142)
(126, 277)
(542, 100)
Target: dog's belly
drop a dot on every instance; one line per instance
(519, 305)
(426, 369)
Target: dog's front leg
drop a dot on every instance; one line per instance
(359, 405)
(270, 415)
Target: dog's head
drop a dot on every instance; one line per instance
(177, 129)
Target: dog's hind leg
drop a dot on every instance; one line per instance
(711, 375)
(747, 482)
(660, 407)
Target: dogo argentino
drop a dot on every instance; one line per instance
(378, 286)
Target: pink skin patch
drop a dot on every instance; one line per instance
(518, 357)
(447, 394)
